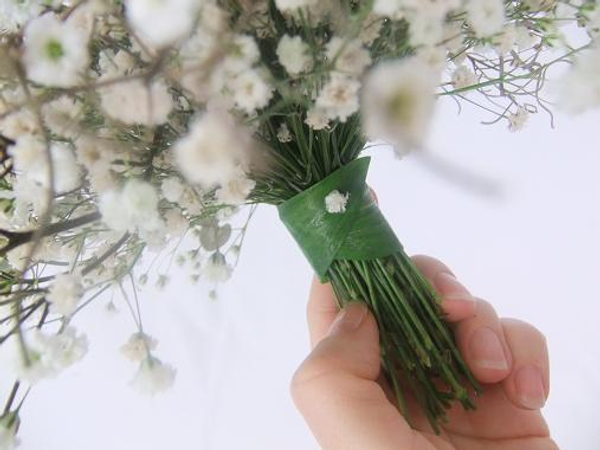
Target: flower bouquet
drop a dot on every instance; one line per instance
(131, 128)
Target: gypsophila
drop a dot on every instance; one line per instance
(138, 346)
(55, 52)
(335, 202)
(65, 294)
(153, 376)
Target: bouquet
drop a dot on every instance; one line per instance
(136, 131)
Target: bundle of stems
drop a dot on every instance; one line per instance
(418, 351)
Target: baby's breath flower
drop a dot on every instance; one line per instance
(463, 77)
(153, 376)
(487, 17)
(335, 202)
(163, 22)
(216, 269)
(283, 134)
(56, 52)
(65, 293)
(138, 346)
(517, 120)
(294, 54)
(398, 102)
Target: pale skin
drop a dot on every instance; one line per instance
(342, 394)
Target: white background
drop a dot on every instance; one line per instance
(525, 237)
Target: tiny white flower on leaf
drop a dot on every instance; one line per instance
(153, 376)
(65, 293)
(335, 202)
(138, 346)
(56, 52)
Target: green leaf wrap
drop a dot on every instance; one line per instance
(359, 233)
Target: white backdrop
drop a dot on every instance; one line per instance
(526, 240)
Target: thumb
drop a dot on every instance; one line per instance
(336, 390)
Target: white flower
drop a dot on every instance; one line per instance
(30, 159)
(65, 293)
(427, 24)
(134, 207)
(210, 154)
(516, 121)
(64, 349)
(294, 55)
(283, 134)
(398, 102)
(339, 97)
(250, 91)
(463, 77)
(350, 57)
(216, 269)
(153, 376)
(62, 115)
(236, 190)
(172, 189)
(138, 346)
(8, 431)
(162, 22)
(133, 102)
(579, 90)
(56, 52)
(15, 13)
(317, 119)
(486, 16)
(389, 8)
(335, 202)
(47, 355)
(291, 5)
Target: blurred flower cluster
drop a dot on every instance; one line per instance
(135, 130)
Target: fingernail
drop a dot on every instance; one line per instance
(530, 387)
(450, 288)
(486, 350)
(350, 317)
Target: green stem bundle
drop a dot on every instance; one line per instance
(417, 346)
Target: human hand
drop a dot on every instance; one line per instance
(348, 405)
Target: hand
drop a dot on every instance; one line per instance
(348, 405)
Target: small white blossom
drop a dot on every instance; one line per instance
(250, 91)
(463, 77)
(210, 154)
(64, 349)
(283, 134)
(139, 346)
(16, 13)
(516, 121)
(398, 103)
(235, 191)
(133, 102)
(580, 87)
(216, 269)
(339, 97)
(487, 17)
(335, 202)
(172, 189)
(162, 22)
(317, 119)
(350, 57)
(133, 207)
(65, 293)
(56, 52)
(294, 55)
(153, 376)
